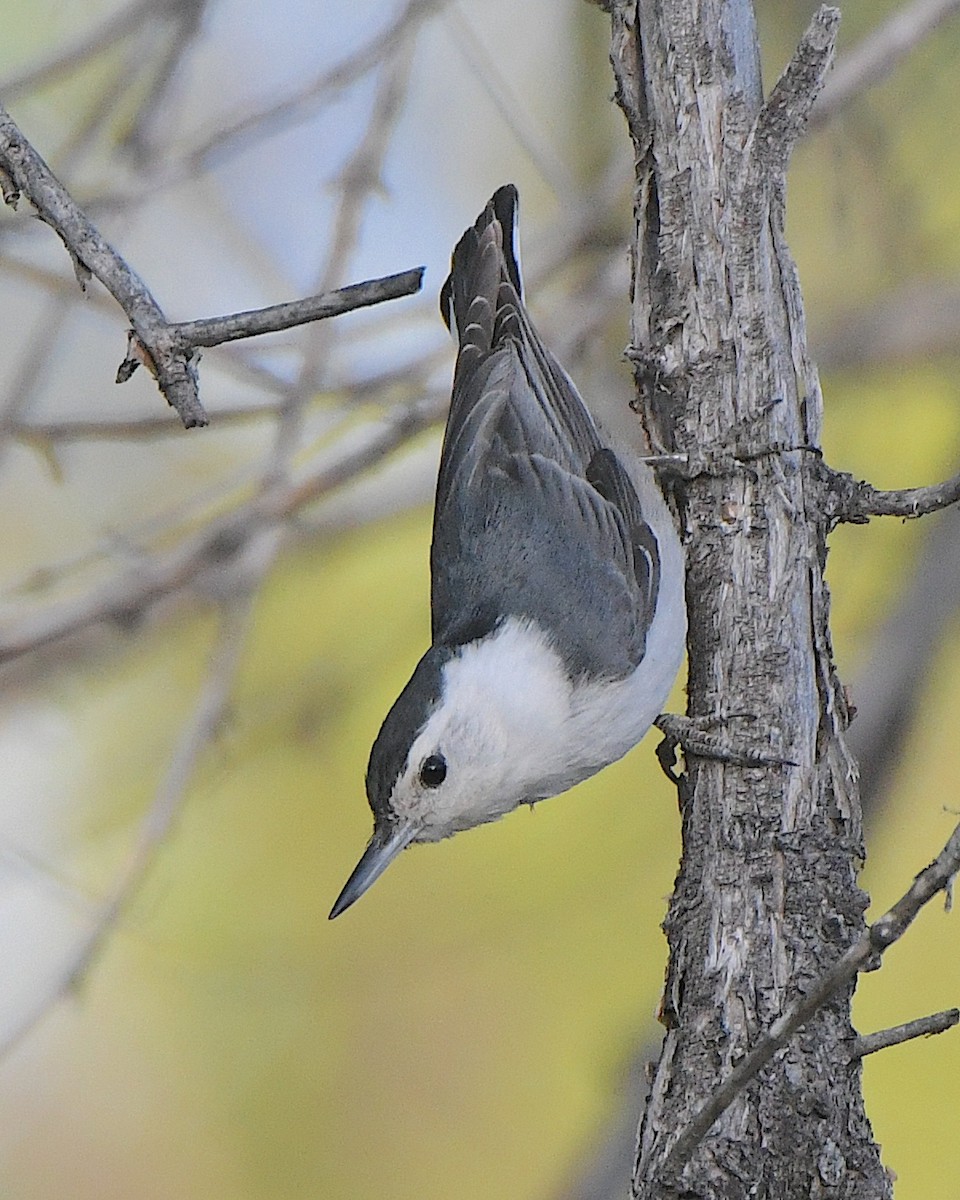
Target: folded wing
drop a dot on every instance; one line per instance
(531, 511)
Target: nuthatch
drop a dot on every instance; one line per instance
(557, 601)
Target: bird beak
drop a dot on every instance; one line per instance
(381, 850)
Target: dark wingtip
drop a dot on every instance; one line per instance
(505, 204)
(502, 208)
(446, 302)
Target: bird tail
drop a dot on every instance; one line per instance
(485, 256)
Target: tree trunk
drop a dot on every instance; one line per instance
(766, 899)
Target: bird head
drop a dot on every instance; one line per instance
(477, 731)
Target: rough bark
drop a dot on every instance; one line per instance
(766, 899)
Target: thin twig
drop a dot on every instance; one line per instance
(783, 116)
(864, 954)
(92, 254)
(233, 361)
(870, 1043)
(158, 821)
(166, 348)
(879, 54)
(135, 589)
(855, 501)
(213, 331)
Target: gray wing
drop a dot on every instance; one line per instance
(483, 298)
(533, 516)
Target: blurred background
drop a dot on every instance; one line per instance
(185, 719)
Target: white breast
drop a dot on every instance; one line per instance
(514, 728)
(518, 730)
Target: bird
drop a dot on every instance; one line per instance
(557, 583)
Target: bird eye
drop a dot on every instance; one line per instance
(433, 771)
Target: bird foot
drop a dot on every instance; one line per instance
(694, 736)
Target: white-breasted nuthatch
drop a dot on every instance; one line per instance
(557, 584)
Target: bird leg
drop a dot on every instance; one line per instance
(694, 735)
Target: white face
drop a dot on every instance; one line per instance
(496, 739)
(454, 777)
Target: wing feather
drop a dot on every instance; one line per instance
(533, 517)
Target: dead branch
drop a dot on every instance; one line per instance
(870, 1043)
(164, 347)
(784, 114)
(213, 331)
(863, 955)
(855, 501)
(718, 321)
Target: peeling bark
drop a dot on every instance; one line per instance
(766, 899)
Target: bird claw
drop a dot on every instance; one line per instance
(693, 736)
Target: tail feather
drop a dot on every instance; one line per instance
(482, 301)
(470, 266)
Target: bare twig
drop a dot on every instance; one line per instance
(856, 501)
(785, 111)
(233, 361)
(166, 348)
(92, 254)
(133, 590)
(213, 331)
(863, 955)
(159, 819)
(922, 1027)
(880, 53)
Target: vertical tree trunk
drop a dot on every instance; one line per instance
(767, 897)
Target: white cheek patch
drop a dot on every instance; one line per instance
(500, 725)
